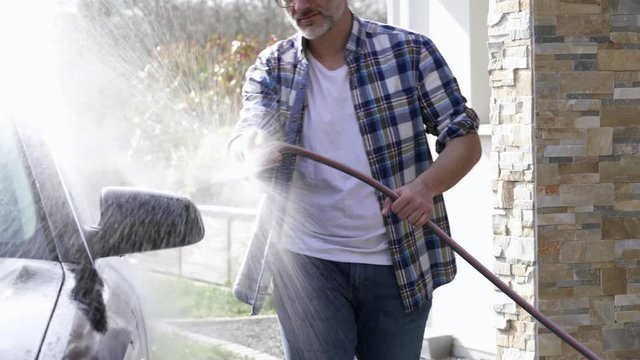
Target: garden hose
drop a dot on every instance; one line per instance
(582, 349)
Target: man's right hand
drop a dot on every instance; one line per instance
(259, 152)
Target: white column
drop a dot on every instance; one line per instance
(463, 309)
(459, 30)
(409, 14)
(480, 96)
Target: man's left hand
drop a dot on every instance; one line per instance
(414, 204)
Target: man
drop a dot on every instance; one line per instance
(353, 272)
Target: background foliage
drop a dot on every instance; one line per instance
(176, 69)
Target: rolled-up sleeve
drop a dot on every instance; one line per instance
(444, 109)
(259, 100)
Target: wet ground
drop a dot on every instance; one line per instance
(258, 336)
(259, 333)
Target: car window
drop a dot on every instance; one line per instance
(22, 231)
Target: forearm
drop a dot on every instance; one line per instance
(453, 163)
(259, 110)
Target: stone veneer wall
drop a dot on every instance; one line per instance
(587, 136)
(510, 71)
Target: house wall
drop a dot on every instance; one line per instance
(464, 308)
(510, 77)
(587, 136)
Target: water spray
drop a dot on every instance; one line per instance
(579, 347)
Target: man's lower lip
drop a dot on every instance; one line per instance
(307, 17)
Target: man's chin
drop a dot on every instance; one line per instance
(313, 32)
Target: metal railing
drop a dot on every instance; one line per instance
(228, 214)
(212, 260)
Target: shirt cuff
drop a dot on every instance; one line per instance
(463, 124)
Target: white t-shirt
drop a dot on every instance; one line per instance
(332, 215)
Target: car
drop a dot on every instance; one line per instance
(63, 293)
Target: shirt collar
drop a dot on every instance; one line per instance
(356, 41)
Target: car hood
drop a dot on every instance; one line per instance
(28, 293)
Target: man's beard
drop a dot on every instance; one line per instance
(315, 31)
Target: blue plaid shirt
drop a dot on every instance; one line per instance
(402, 89)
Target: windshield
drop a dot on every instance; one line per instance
(21, 225)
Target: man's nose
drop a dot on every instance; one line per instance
(301, 5)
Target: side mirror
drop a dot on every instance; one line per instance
(134, 220)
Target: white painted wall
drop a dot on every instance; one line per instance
(464, 308)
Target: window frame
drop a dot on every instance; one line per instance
(40, 244)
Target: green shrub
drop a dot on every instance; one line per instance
(188, 92)
(189, 97)
(191, 299)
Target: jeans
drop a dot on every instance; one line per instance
(334, 311)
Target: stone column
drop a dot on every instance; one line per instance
(587, 71)
(510, 67)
